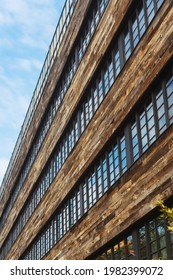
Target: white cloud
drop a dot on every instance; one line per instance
(3, 167)
(13, 107)
(28, 64)
(31, 16)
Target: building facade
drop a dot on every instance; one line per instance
(95, 153)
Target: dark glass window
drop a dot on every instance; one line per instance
(141, 20)
(85, 197)
(150, 10)
(135, 141)
(99, 180)
(153, 240)
(127, 44)
(135, 30)
(117, 61)
(105, 175)
(123, 154)
(161, 111)
(169, 92)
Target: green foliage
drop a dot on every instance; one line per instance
(167, 213)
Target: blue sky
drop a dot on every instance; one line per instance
(26, 30)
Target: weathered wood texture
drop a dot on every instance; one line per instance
(141, 189)
(62, 55)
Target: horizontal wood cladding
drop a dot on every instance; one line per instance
(87, 67)
(63, 52)
(144, 65)
(137, 193)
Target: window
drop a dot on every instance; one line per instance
(152, 237)
(100, 90)
(55, 229)
(85, 197)
(143, 130)
(127, 44)
(135, 31)
(161, 111)
(65, 212)
(159, 3)
(105, 174)
(63, 152)
(151, 123)
(79, 208)
(82, 119)
(59, 225)
(90, 107)
(92, 189)
(95, 96)
(66, 148)
(150, 10)
(87, 112)
(106, 80)
(47, 240)
(135, 141)
(117, 61)
(111, 167)
(116, 162)
(169, 92)
(123, 154)
(73, 209)
(141, 20)
(42, 245)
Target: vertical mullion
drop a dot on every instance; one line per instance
(147, 133)
(155, 114)
(130, 35)
(81, 200)
(102, 81)
(139, 134)
(113, 65)
(119, 156)
(70, 210)
(137, 18)
(84, 116)
(128, 145)
(107, 170)
(147, 242)
(168, 241)
(79, 122)
(96, 175)
(62, 219)
(135, 239)
(67, 138)
(155, 6)
(102, 176)
(92, 98)
(75, 196)
(104, 69)
(145, 13)
(165, 103)
(121, 48)
(157, 238)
